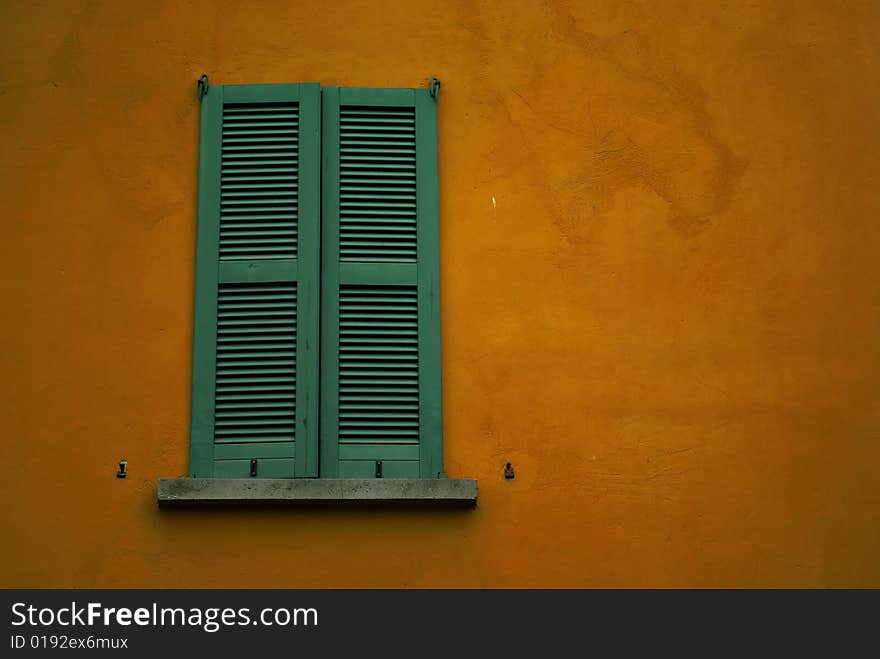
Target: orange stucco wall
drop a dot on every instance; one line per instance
(660, 291)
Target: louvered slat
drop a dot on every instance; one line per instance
(255, 397)
(377, 193)
(378, 365)
(259, 181)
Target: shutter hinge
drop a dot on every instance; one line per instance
(202, 86)
(434, 87)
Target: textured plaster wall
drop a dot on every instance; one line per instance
(660, 291)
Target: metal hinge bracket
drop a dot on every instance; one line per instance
(202, 86)
(434, 87)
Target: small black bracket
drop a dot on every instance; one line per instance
(122, 465)
(253, 468)
(378, 469)
(202, 85)
(509, 474)
(434, 87)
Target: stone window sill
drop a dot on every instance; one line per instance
(199, 492)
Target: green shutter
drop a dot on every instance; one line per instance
(255, 356)
(380, 355)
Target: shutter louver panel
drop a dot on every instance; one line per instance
(377, 191)
(256, 363)
(259, 181)
(255, 369)
(378, 365)
(380, 296)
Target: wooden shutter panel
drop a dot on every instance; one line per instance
(255, 356)
(380, 356)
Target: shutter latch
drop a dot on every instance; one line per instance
(253, 468)
(434, 87)
(202, 85)
(378, 469)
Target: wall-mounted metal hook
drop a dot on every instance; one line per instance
(509, 474)
(202, 85)
(434, 87)
(123, 464)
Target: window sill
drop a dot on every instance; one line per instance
(182, 492)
